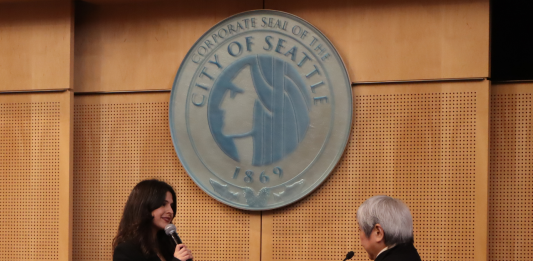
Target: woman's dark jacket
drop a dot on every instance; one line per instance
(128, 251)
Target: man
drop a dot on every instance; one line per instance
(386, 230)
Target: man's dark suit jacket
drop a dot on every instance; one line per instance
(128, 251)
(401, 252)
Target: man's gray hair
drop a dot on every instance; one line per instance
(393, 216)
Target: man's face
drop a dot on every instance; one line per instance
(373, 244)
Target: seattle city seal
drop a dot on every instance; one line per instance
(260, 110)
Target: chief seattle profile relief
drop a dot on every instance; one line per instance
(260, 110)
(279, 115)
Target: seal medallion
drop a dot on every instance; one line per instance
(260, 110)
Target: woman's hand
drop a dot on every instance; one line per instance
(182, 252)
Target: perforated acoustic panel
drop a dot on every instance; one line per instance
(121, 139)
(511, 173)
(33, 154)
(425, 144)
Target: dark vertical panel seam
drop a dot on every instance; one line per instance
(261, 233)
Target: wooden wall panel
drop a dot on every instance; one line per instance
(511, 173)
(35, 45)
(139, 46)
(122, 139)
(426, 144)
(389, 40)
(35, 168)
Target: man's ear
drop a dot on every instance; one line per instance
(380, 234)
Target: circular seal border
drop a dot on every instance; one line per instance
(334, 54)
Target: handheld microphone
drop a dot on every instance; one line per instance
(170, 230)
(349, 255)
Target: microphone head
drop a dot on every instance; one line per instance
(349, 255)
(170, 229)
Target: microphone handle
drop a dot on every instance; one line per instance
(177, 240)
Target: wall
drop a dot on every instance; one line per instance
(36, 102)
(421, 128)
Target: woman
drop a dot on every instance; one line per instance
(141, 236)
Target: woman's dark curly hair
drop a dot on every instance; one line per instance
(136, 222)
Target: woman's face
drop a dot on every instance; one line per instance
(164, 214)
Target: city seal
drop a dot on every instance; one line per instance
(260, 110)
